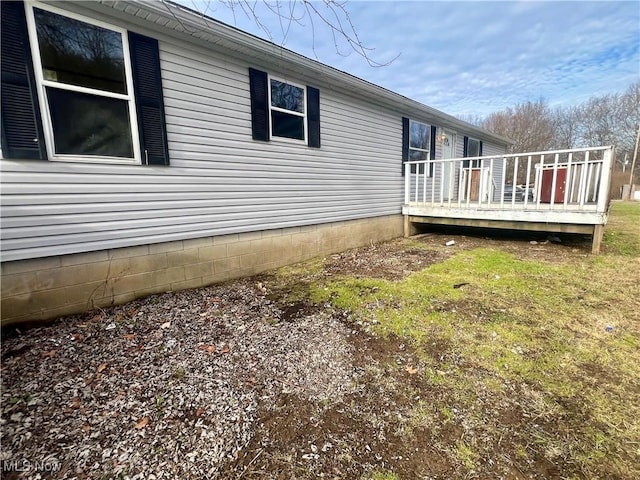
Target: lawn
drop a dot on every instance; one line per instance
(525, 359)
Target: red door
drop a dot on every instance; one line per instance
(547, 185)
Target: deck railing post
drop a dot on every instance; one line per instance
(407, 182)
(605, 180)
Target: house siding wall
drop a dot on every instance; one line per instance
(220, 181)
(82, 235)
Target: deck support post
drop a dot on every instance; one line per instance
(409, 228)
(598, 231)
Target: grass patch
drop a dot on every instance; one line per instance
(543, 352)
(622, 235)
(384, 476)
(567, 333)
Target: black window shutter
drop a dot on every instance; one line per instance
(432, 149)
(313, 117)
(147, 86)
(480, 148)
(465, 151)
(22, 132)
(259, 107)
(405, 141)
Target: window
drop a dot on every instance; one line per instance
(418, 143)
(472, 148)
(287, 105)
(74, 89)
(86, 88)
(283, 110)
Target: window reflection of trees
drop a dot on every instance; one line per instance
(287, 96)
(89, 125)
(419, 141)
(78, 53)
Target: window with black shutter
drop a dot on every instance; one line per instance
(418, 144)
(283, 110)
(471, 148)
(94, 89)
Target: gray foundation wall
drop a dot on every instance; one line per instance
(45, 288)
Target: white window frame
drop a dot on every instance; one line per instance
(428, 170)
(291, 112)
(42, 84)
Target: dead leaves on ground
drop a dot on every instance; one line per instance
(207, 348)
(143, 422)
(213, 349)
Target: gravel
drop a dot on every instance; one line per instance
(164, 387)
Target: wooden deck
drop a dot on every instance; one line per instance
(556, 191)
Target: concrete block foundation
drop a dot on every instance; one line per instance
(44, 288)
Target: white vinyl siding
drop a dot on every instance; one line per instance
(220, 181)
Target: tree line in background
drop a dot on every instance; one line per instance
(610, 119)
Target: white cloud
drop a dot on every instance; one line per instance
(479, 57)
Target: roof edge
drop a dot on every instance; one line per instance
(195, 24)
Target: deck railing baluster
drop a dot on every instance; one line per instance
(514, 180)
(527, 184)
(567, 181)
(596, 183)
(539, 181)
(583, 178)
(554, 182)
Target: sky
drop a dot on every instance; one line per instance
(467, 58)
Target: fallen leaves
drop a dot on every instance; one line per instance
(143, 422)
(207, 348)
(411, 370)
(49, 354)
(213, 349)
(102, 367)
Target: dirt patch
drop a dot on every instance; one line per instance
(349, 439)
(554, 248)
(391, 261)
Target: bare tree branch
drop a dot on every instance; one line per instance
(332, 14)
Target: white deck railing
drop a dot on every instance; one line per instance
(571, 180)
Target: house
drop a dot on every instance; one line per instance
(148, 148)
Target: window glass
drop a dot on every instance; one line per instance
(419, 141)
(473, 148)
(78, 53)
(287, 110)
(287, 96)
(89, 124)
(287, 125)
(419, 136)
